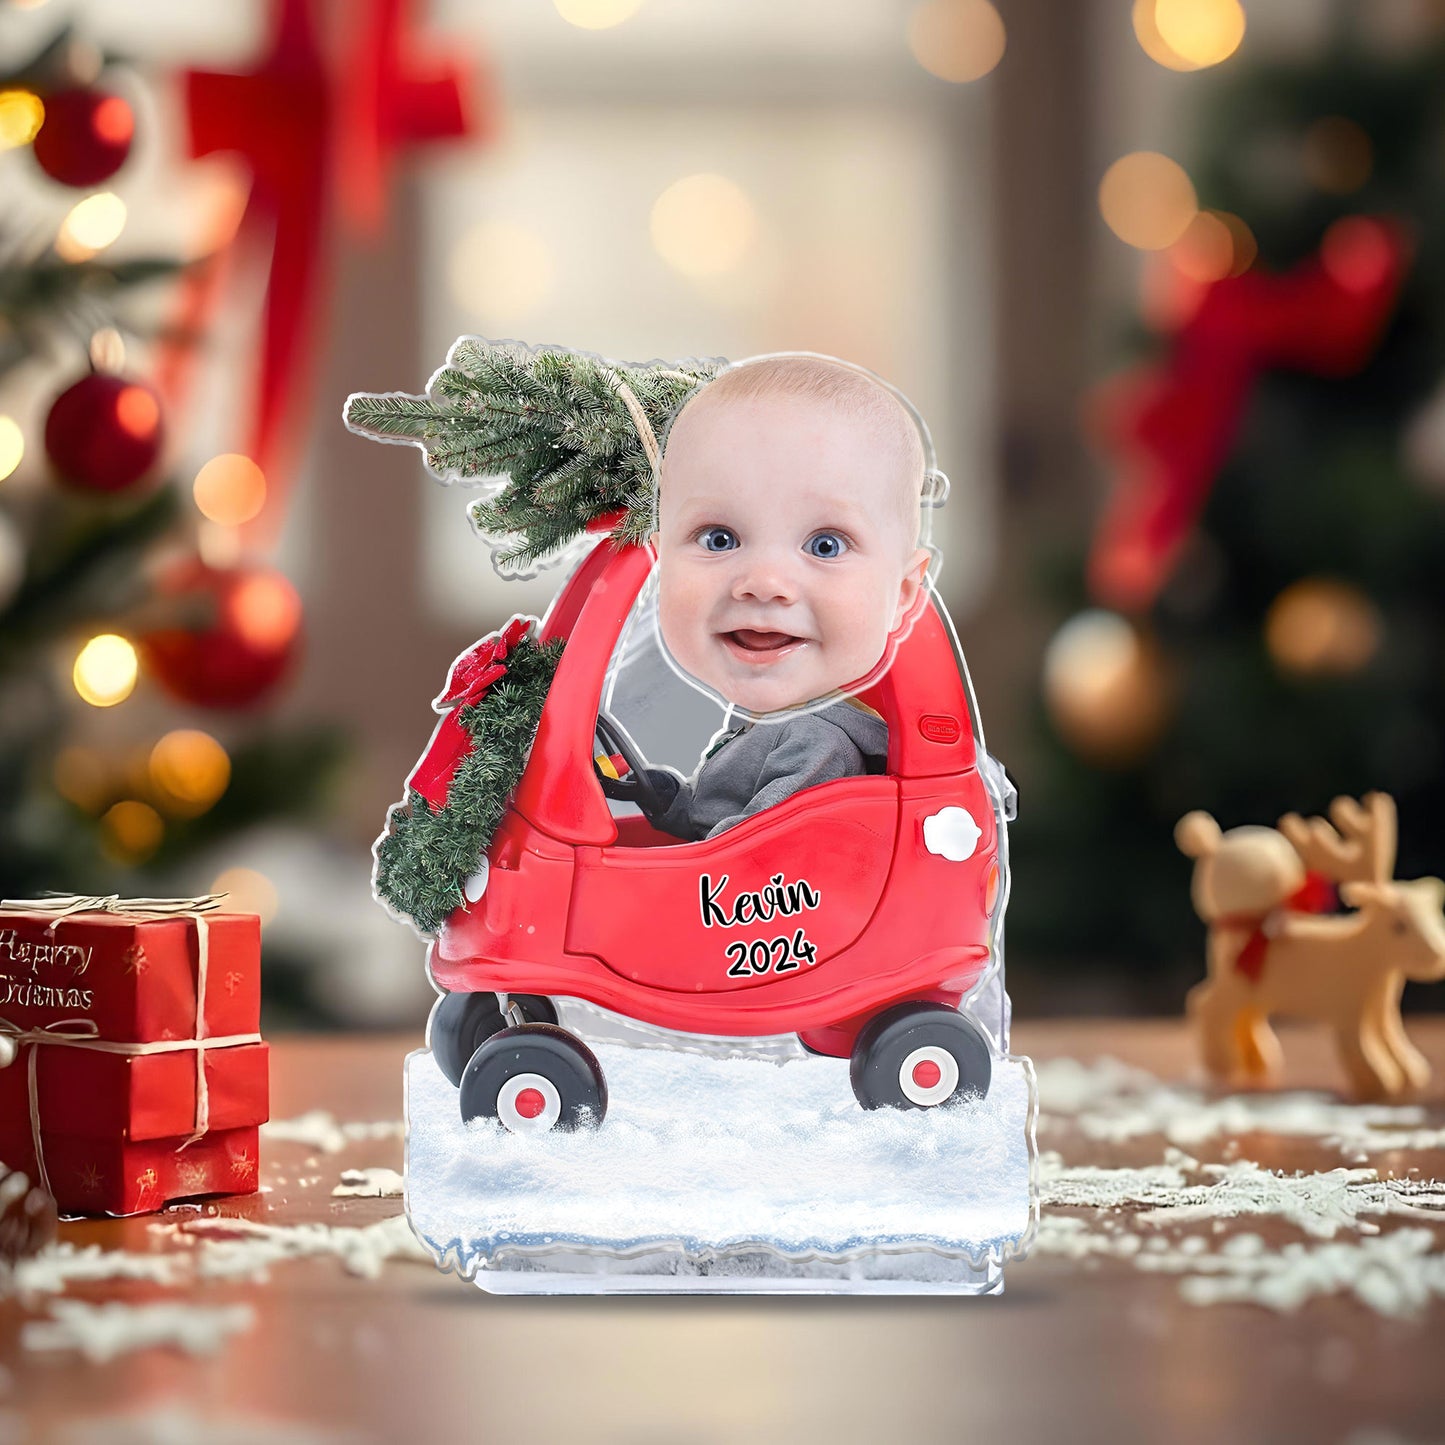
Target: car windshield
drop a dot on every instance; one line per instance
(671, 721)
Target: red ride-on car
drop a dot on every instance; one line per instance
(857, 914)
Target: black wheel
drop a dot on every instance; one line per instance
(461, 1022)
(919, 1056)
(535, 1008)
(533, 1079)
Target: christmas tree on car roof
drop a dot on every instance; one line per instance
(570, 438)
(1259, 625)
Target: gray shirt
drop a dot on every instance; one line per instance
(762, 763)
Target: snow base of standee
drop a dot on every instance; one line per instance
(726, 1175)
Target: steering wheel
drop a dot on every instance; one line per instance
(635, 787)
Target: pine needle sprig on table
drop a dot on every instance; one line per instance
(554, 429)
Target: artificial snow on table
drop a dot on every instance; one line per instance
(725, 1173)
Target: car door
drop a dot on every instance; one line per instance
(780, 894)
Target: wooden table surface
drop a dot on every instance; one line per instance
(1072, 1351)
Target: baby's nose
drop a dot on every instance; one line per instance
(765, 579)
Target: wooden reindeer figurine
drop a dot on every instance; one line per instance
(1268, 954)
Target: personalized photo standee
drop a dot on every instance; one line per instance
(712, 858)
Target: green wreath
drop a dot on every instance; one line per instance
(428, 853)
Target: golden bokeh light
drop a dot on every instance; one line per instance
(21, 115)
(1105, 687)
(107, 350)
(1147, 200)
(247, 891)
(1146, 30)
(92, 225)
(501, 269)
(703, 225)
(12, 446)
(1321, 627)
(189, 770)
(1214, 245)
(1337, 155)
(132, 831)
(230, 489)
(596, 14)
(1203, 32)
(265, 610)
(105, 670)
(81, 777)
(1205, 252)
(1246, 248)
(957, 40)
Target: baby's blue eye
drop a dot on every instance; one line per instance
(717, 539)
(826, 545)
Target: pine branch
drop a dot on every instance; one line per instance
(40, 294)
(34, 288)
(551, 422)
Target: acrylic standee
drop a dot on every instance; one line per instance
(773, 1059)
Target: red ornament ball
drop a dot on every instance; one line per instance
(104, 433)
(85, 136)
(240, 637)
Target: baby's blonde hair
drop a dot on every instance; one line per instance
(851, 390)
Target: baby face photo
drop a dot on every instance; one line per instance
(788, 531)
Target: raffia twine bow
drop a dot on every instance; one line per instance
(82, 1033)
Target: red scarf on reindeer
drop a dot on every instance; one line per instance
(1317, 894)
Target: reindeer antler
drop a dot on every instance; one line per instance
(1359, 848)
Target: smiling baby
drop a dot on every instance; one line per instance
(787, 543)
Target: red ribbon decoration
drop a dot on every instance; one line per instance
(1317, 894)
(473, 673)
(282, 119)
(1169, 427)
(399, 94)
(469, 680)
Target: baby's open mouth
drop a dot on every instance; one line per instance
(756, 645)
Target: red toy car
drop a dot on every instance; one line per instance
(856, 915)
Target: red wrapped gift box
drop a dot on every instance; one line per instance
(90, 1176)
(136, 977)
(138, 1075)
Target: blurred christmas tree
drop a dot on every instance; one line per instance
(1261, 622)
(103, 588)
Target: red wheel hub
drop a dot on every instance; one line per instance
(529, 1103)
(926, 1073)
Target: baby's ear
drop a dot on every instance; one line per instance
(913, 575)
(655, 539)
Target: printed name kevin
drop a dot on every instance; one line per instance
(776, 899)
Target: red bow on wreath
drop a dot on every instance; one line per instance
(469, 680)
(473, 673)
